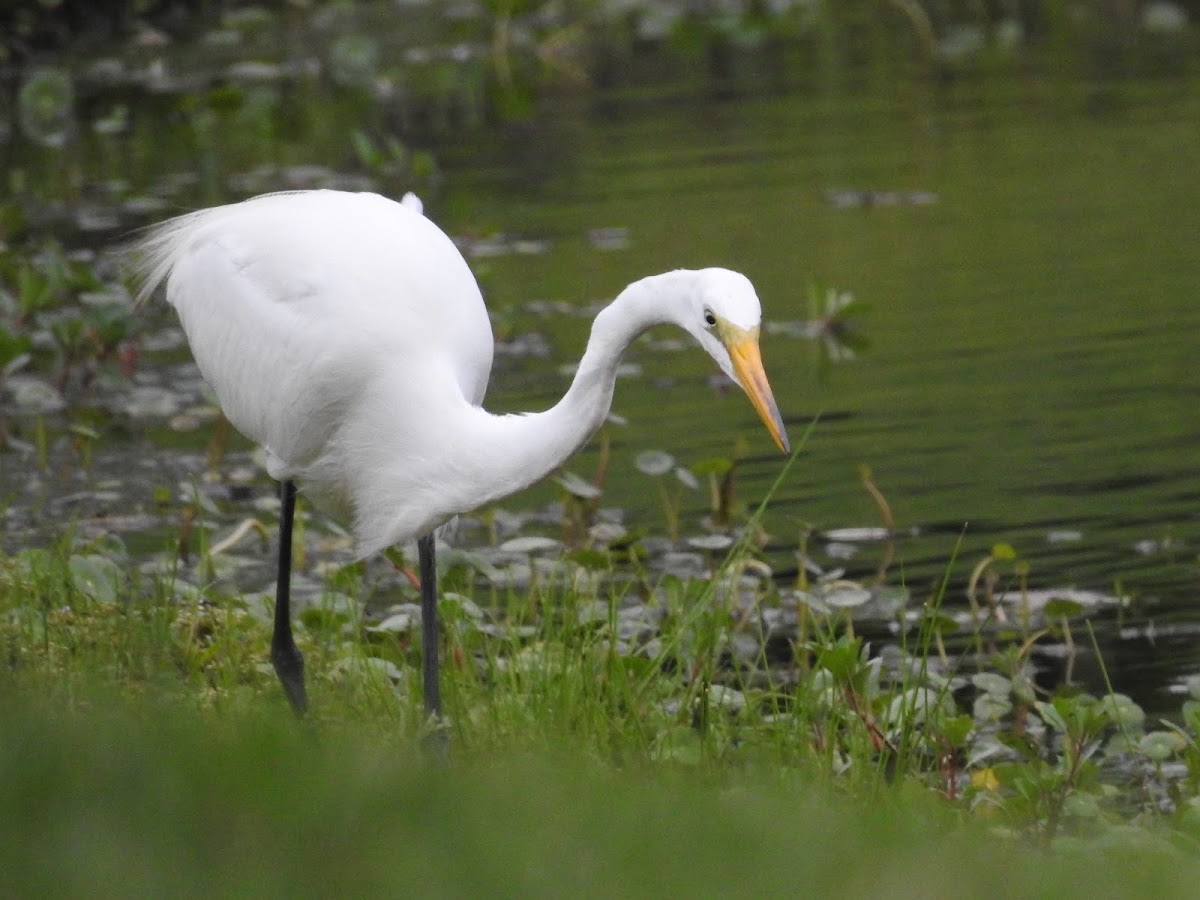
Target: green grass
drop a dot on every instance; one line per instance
(141, 798)
(146, 750)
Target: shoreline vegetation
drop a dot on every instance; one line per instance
(709, 686)
(141, 716)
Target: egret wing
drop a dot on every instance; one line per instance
(293, 302)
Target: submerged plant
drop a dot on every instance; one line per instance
(987, 571)
(721, 474)
(659, 465)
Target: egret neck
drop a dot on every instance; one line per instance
(520, 450)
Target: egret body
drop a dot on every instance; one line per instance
(346, 334)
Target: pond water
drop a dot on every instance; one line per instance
(1022, 252)
(1032, 375)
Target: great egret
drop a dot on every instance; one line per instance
(346, 334)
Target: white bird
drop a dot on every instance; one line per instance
(346, 334)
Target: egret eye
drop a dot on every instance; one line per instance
(709, 318)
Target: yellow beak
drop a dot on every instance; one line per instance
(747, 363)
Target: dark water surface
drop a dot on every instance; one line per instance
(1033, 375)
(1027, 262)
(1032, 367)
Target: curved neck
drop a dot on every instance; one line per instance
(522, 449)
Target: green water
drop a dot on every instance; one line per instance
(1032, 361)
(1032, 365)
(1033, 373)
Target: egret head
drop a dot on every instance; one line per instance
(724, 316)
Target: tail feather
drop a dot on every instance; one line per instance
(153, 256)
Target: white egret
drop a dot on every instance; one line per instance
(346, 334)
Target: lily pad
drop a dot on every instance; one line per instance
(397, 623)
(847, 596)
(613, 238)
(714, 542)
(149, 402)
(991, 708)
(1064, 536)
(686, 478)
(45, 106)
(1123, 711)
(991, 683)
(726, 698)
(529, 544)
(841, 550)
(98, 577)
(606, 532)
(1193, 686)
(369, 664)
(1162, 745)
(34, 394)
(654, 462)
(856, 535)
(683, 565)
(814, 602)
(578, 487)
(353, 60)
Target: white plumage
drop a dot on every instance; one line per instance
(346, 334)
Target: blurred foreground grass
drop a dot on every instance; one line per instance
(121, 797)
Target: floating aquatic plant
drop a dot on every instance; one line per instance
(354, 60)
(46, 106)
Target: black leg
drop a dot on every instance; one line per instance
(429, 627)
(285, 655)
